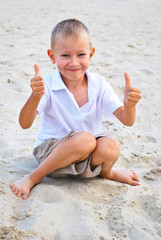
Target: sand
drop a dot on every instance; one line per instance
(126, 35)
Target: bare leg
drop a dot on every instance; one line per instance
(107, 153)
(76, 148)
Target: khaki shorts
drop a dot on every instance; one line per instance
(77, 169)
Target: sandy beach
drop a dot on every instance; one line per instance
(127, 37)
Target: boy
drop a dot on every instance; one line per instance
(72, 102)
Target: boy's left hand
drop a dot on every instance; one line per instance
(132, 94)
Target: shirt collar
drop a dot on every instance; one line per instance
(58, 84)
(92, 88)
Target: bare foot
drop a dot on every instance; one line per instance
(124, 176)
(21, 188)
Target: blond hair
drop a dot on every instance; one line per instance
(68, 28)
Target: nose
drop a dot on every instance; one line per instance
(74, 61)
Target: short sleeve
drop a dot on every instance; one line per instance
(110, 101)
(44, 100)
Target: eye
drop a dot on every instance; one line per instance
(65, 55)
(82, 54)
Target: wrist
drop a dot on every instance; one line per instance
(35, 97)
(130, 106)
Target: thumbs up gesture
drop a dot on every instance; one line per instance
(132, 94)
(37, 83)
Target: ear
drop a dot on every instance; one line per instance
(91, 53)
(51, 55)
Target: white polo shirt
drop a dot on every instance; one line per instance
(61, 113)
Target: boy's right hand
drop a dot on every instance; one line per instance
(37, 83)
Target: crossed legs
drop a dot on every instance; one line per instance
(104, 151)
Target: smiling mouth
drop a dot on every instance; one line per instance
(73, 70)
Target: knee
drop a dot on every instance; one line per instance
(108, 148)
(86, 141)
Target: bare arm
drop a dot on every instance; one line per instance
(127, 113)
(29, 111)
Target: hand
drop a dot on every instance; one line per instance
(37, 83)
(132, 94)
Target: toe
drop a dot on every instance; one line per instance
(13, 188)
(19, 194)
(135, 177)
(134, 183)
(25, 196)
(16, 191)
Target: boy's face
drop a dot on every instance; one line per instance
(72, 55)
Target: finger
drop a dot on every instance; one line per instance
(132, 99)
(134, 94)
(127, 81)
(38, 88)
(134, 89)
(37, 70)
(37, 81)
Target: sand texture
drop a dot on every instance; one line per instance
(127, 37)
